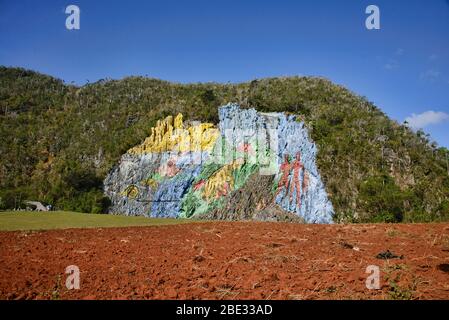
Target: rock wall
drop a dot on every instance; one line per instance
(194, 170)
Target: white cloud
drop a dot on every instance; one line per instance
(399, 52)
(391, 64)
(430, 75)
(422, 120)
(433, 57)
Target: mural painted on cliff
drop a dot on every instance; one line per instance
(186, 170)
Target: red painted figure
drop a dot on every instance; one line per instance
(286, 168)
(283, 181)
(224, 191)
(305, 182)
(297, 166)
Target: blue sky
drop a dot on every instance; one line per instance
(403, 67)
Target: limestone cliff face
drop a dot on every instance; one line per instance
(194, 171)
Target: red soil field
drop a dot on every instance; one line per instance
(228, 260)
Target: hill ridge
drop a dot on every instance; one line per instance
(59, 141)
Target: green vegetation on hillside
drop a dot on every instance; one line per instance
(57, 141)
(18, 220)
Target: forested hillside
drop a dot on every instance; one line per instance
(58, 141)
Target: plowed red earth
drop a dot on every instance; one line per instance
(228, 260)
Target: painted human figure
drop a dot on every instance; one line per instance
(305, 182)
(285, 173)
(169, 169)
(297, 166)
(172, 169)
(223, 191)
